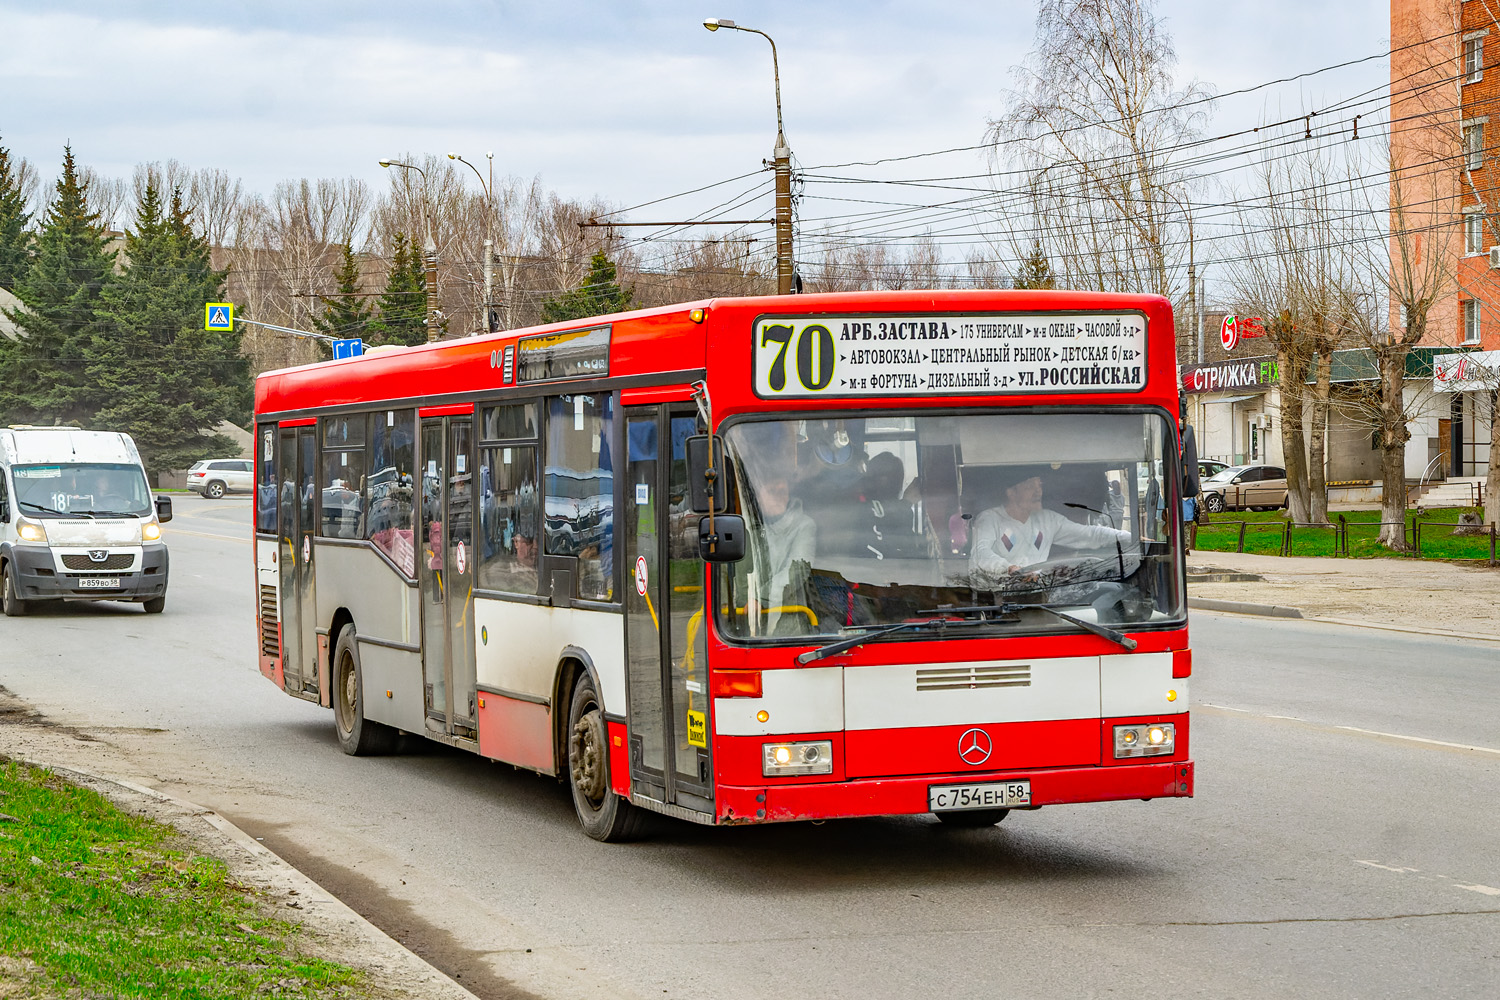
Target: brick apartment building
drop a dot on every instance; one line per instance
(1445, 149)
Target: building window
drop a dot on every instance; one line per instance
(1473, 232)
(1473, 59)
(1471, 321)
(1474, 146)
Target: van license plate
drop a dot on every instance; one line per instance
(993, 795)
(99, 583)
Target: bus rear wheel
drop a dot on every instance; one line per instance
(972, 819)
(358, 736)
(604, 814)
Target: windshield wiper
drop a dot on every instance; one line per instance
(49, 510)
(1103, 631)
(109, 513)
(839, 645)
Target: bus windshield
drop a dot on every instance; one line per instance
(74, 490)
(859, 522)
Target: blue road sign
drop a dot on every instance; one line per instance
(348, 348)
(219, 316)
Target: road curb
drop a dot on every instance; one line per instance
(1244, 608)
(418, 974)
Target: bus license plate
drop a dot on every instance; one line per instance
(995, 795)
(99, 583)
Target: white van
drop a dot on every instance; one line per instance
(77, 520)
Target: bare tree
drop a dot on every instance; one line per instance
(108, 196)
(1092, 122)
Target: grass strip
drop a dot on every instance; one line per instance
(1263, 535)
(95, 902)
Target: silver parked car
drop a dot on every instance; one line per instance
(218, 476)
(1252, 487)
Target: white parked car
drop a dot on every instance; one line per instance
(217, 476)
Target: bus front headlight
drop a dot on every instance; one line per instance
(31, 531)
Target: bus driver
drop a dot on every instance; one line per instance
(1020, 532)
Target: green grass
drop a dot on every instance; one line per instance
(1263, 535)
(97, 903)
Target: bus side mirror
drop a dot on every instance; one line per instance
(705, 478)
(724, 541)
(164, 509)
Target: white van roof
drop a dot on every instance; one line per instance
(42, 445)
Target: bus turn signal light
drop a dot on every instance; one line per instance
(735, 684)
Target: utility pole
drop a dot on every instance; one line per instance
(429, 253)
(490, 326)
(782, 162)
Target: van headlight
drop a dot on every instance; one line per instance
(31, 531)
(150, 531)
(1151, 740)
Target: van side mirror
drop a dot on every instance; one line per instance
(724, 540)
(706, 478)
(164, 509)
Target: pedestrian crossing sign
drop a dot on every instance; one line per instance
(219, 316)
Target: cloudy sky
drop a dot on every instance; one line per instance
(627, 101)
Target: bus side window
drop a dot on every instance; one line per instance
(391, 468)
(265, 483)
(579, 501)
(509, 499)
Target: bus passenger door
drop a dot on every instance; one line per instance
(296, 516)
(445, 573)
(665, 629)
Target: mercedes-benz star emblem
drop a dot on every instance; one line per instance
(974, 747)
(98, 555)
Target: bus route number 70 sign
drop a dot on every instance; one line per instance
(824, 356)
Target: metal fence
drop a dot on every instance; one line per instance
(1412, 532)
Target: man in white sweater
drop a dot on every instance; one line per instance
(1020, 533)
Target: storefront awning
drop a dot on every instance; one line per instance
(1234, 399)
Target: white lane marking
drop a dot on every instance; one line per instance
(1376, 864)
(1353, 729)
(1488, 890)
(1419, 739)
(169, 532)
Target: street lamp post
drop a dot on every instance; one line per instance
(489, 243)
(429, 252)
(783, 163)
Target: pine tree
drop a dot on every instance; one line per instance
(159, 375)
(403, 304)
(345, 313)
(599, 294)
(42, 374)
(15, 249)
(1035, 270)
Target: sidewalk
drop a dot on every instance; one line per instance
(1407, 593)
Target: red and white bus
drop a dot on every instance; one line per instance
(749, 560)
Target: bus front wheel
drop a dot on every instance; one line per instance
(604, 814)
(358, 736)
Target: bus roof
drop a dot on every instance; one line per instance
(663, 344)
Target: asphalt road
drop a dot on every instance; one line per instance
(1330, 851)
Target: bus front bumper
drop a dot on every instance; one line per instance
(908, 795)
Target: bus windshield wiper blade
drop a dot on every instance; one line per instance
(840, 645)
(1103, 631)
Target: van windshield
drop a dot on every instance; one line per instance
(72, 490)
